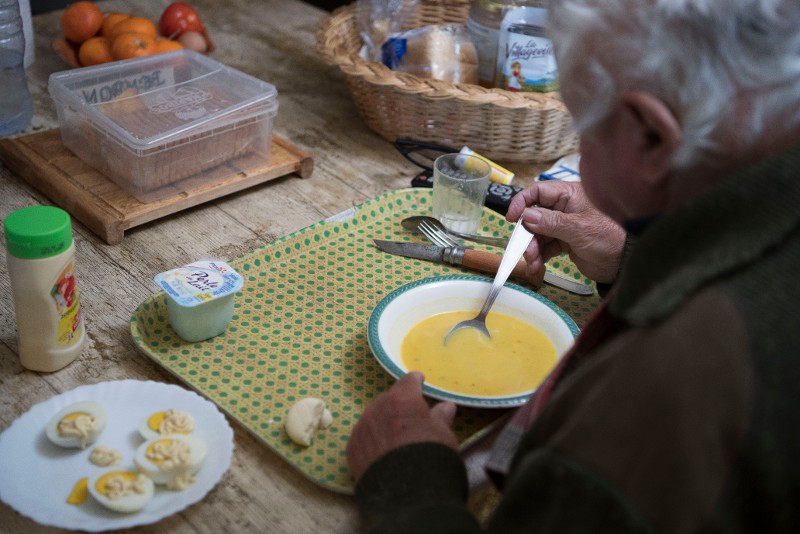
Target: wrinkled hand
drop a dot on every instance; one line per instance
(564, 220)
(398, 417)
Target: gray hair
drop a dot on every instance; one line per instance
(722, 66)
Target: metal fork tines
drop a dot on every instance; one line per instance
(437, 236)
(443, 239)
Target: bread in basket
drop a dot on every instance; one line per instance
(502, 125)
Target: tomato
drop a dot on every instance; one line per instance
(180, 17)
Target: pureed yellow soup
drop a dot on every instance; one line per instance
(514, 360)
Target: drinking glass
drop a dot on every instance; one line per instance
(460, 183)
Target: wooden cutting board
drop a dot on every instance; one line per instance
(106, 209)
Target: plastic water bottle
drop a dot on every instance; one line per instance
(27, 29)
(16, 105)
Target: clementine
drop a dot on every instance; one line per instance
(140, 25)
(94, 50)
(109, 21)
(167, 45)
(132, 44)
(81, 20)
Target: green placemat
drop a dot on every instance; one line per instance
(300, 329)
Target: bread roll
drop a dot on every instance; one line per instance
(441, 52)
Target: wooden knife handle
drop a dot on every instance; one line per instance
(488, 262)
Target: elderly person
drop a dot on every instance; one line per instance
(677, 410)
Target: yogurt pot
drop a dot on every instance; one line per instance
(200, 298)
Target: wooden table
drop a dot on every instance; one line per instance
(272, 40)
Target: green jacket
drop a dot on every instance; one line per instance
(685, 417)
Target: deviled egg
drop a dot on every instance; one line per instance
(77, 425)
(121, 490)
(171, 460)
(166, 422)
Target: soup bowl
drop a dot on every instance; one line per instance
(404, 308)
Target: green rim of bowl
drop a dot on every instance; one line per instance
(465, 400)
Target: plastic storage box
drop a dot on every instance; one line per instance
(158, 125)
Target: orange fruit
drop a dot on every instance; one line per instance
(109, 20)
(80, 21)
(94, 50)
(167, 45)
(132, 44)
(140, 25)
(125, 103)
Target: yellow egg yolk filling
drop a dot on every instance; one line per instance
(79, 493)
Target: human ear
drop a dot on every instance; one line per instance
(653, 133)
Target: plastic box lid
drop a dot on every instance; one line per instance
(195, 92)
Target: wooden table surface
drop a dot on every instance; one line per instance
(274, 41)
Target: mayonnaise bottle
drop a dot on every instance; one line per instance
(41, 263)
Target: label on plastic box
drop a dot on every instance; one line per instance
(202, 281)
(106, 91)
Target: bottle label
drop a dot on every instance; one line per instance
(529, 63)
(68, 308)
(525, 60)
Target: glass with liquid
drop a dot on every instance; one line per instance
(460, 183)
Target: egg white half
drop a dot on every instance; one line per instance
(165, 472)
(91, 408)
(131, 501)
(151, 420)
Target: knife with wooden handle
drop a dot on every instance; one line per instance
(478, 260)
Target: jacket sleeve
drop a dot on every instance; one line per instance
(420, 488)
(548, 492)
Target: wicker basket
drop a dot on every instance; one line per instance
(502, 125)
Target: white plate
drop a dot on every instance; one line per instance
(402, 309)
(36, 476)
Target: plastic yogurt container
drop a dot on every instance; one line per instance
(200, 298)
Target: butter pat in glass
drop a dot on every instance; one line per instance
(200, 298)
(460, 183)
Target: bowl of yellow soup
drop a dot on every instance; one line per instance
(529, 334)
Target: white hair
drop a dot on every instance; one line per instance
(722, 66)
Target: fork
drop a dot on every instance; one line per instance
(438, 237)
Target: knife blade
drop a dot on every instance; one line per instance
(573, 286)
(478, 260)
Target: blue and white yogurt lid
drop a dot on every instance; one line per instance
(199, 282)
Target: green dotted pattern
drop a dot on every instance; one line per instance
(300, 330)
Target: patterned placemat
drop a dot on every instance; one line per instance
(300, 329)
